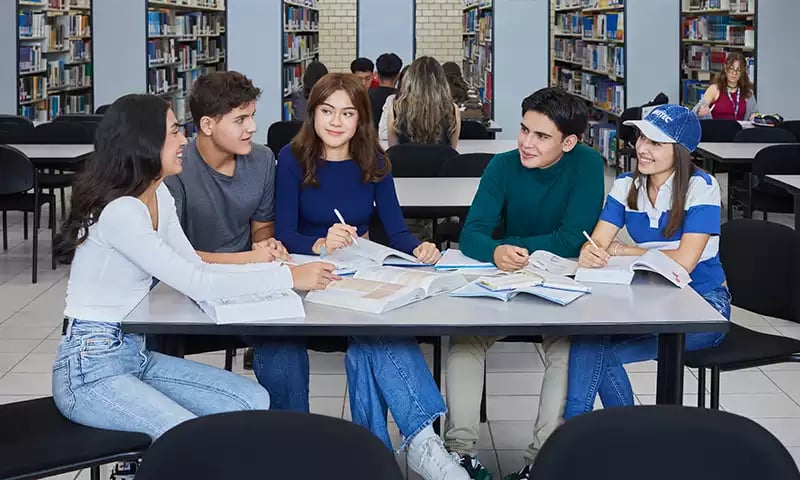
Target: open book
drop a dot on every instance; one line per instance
(539, 260)
(621, 269)
(475, 289)
(255, 308)
(366, 295)
(555, 288)
(340, 269)
(368, 253)
(431, 283)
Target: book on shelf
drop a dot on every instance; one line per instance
(299, 46)
(300, 18)
(31, 59)
(255, 308)
(366, 295)
(31, 24)
(32, 88)
(620, 270)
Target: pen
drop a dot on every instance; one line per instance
(341, 219)
(590, 240)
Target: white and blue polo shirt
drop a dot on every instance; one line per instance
(646, 223)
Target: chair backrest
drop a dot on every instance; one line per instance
(15, 120)
(102, 109)
(16, 132)
(624, 132)
(416, 160)
(268, 444)
(761, 262)
(719, 130)
(472, 130)
(663, 442)
(17, 174)
(281, 134)
(777, 160)
(793, 127)
(466, 165)
(89, 122)
(66, 132)
(764, 135)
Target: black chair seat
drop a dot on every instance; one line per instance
(38, 441)
(56, 180)
(24, 202)
(744, 347)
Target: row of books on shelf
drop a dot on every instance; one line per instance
(692, 91)
(183, 55)
(215, 4)
(719, 28)
(32, 89)
(477, 3)
(300, 18)
(606, 26)
(469, 22)
(602, 136)
(58, 105)
(170, 22)
(31, 59)
(608, 59)
(734, 6)
(603, 3)
(299, 46)
(60, 76)
(604, 93)
(31, 24)
(484, 30)
(712, 59)
(286, 110)
(293, 78)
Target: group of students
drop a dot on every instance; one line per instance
(219, 217)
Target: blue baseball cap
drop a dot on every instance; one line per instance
(670, 124)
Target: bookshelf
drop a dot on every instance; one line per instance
(54, 58)
(300, 41)
(185, 39)
(478, 59)
(588, 60)
(710, 29)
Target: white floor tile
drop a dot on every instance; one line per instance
(514, 362)
(789, 382)
(689, 400)
(513, 347)
(485, 437)
(18, 345)
(326, 363)
(327, 385)
(47, 346)
(4, 399)
(761, 405)
(787, 430)
(744, 381)
(36, 363)
(26, 384)
(8, 360)
(510, 461)
(782, 367)
(517, 383)
(516, 435)
(648, 366)
(330, 406)
(645, 383)
(21, 333)
(33, 319)
(523, 407)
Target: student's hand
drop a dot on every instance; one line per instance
(262, 255)
(313, 276)
(426, 252)
(510, 258)
(592, 257)
(339, 236)
(275, 246)
(704, 110)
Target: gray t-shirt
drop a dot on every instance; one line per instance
(215, 209)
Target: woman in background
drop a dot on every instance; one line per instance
(383, 125)
(314, 71)
(458, 86)
(731, 95)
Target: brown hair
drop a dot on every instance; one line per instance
(217, 93)
(684, 168)
(744, 84)
(364, 146)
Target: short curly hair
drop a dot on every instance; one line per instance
(215, 94)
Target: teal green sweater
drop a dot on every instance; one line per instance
(543, 209)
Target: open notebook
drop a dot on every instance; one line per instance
(368, 253)
(284, 304)
(555, 288)
(453, 259)
(621, 270)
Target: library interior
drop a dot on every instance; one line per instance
(399, 239)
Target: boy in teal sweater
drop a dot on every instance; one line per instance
(543, 196)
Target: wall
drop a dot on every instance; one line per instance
(386, 27)
(777, 68)
(439, 29)
(119, 49)
(255, 32)
(337, 33)
(8, 57)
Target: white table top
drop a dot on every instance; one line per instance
(486, 146)
(790, 181)
(58, 151)
(733, 151)
(436, 192)
(494, 127)
(650, 304)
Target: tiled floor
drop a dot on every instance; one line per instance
(30, 319)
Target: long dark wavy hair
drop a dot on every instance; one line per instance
(365, 148)
(126, 160)
(744, 83)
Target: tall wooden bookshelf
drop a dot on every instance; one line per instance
(710, 30)
(300, 47)
(478, 58)
(185, 39)
(54, 59)
(588, 60)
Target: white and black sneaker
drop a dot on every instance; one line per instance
(431, 461)
(474, 468)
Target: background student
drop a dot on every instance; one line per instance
(314, 71)
(123, 230)
(363, 68)
(731, 96)
(458, 86)
(424, 111)
(545, 193)
(389, 66)
(335, 161)
(383, 124)
(666, 204)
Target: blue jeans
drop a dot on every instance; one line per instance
(596, 363)
(106, 379)
(383, 373)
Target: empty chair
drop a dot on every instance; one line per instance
(89, 122)
(268, 444)
(416, 160)
(761, 261)
(281, 134)
(473, 130)
(37, 441)
(719, 130)
(663, 443)
(15, 120)
(466, 165)
(793, 127)
(11, 133)
(101, 109)
(753, 193)
(764, 135)
(62, 132)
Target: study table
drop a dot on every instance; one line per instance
(58, 156)
(729, 153)
(445, 196)
(791, 183)
(649, 305)
(478, 146)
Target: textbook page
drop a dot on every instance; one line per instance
(365, 295)
(550, 262)
(660, 263)
(340, 268)
(255, 308)
(474, 289)
(453, 259)
(432, 283)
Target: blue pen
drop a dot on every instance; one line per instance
(322, 252)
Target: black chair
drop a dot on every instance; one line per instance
(12, 133)
(719, 130)
(473, 130)
(663, 442)
(15, 120)
(764, 135)
(17, 177)
(753, 193)
(762, 265)
(281, 134)
(37, 442)
(416, 160)
(102, 109)
(89, 122)
(793, 127)
(466, 165)
(269, 444)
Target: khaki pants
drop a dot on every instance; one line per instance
(465, 366)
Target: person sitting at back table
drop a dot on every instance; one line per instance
(363, 68)
(389, 66)
(314, 71)
(545, 194)
(383, 124)
(666, 204)
(731, 96)
(424, 111)
(458, 86)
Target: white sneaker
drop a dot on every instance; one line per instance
(431, 461)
